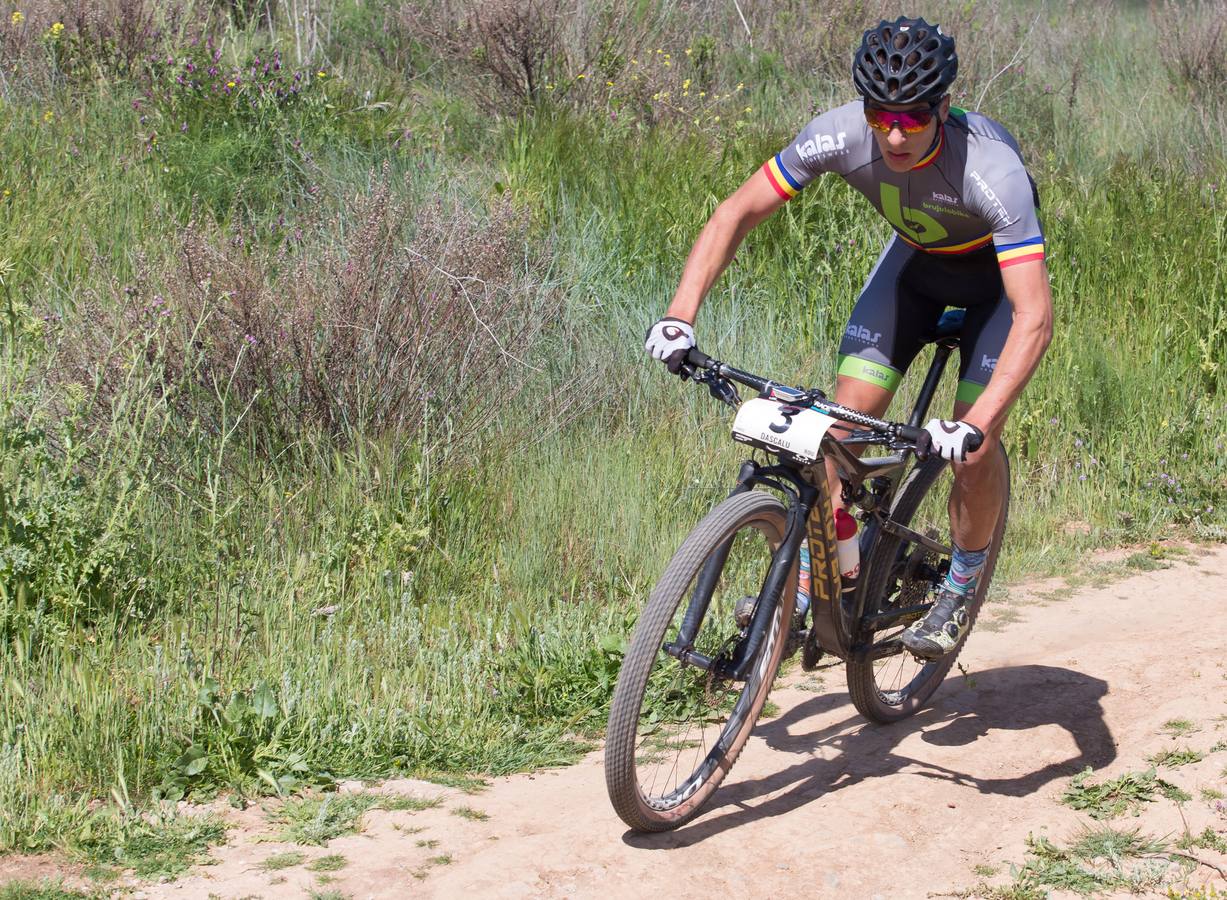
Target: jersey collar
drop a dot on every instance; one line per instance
(935, 151)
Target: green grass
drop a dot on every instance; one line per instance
(1209, 839)
(401, 802)
(282, 861)
(1098, 861)
(333, 862)
(326, 895)
(161, 846)
(44, 890)
(1174, 759)
(1116, 796)
(467, 812)
(317, 820)
(1179, 727)
(167, 555)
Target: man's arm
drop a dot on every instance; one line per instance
(1027, 289)
(717, 243)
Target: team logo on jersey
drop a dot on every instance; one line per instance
(821, 144)
(919, 226)
(861, 333)
(988, 362)
(945, 198)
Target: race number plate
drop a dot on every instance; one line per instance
(792, 430)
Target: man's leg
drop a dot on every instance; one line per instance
(980, 487)
(880, 340)
(860, 395)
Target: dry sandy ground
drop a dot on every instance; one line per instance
(822, 804)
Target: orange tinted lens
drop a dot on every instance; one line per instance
(908, 122)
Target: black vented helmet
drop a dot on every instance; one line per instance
(904, 61)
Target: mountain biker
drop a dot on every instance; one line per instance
(965, 213)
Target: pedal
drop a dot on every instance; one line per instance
(744, 611)
(811, 654)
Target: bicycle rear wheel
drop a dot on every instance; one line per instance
(891, 684)
(676, 729)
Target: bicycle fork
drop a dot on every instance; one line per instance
(737, 667)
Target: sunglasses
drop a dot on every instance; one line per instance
(912, 121)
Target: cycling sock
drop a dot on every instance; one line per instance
(965, 568)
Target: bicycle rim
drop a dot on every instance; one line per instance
(901, 574)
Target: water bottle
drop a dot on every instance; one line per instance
(847, 548)
(803, 578)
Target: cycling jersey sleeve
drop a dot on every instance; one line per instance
(824, 145)
(1007, 201)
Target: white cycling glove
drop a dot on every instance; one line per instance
(668, 340)
(953, 440)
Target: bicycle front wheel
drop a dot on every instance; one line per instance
(891, 684)
(675, 729)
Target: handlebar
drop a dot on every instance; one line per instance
(702, 367)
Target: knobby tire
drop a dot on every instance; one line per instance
(632, 797)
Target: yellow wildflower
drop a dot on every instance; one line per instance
(57, 29)
(749, 109)
(667, 63)
(717, 119)
(17, 18)
(688, 51)
(634, 62)
(48, 116)
(322, 74)
(230, 84)
(686, 83)
(702, 93)
(580, 75)
(658, 50)
(7, 193)
(740, 85)
(685, 93)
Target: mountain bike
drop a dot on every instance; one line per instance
(724, 614)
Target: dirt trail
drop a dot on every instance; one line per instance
(823, 804)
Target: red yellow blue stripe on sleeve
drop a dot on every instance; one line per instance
(781, 179)
(1023, 251)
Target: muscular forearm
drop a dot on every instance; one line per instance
(1029, 337)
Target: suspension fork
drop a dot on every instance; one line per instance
(682, 647)
(782, 562)
(705, 584)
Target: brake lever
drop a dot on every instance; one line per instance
(724, 391)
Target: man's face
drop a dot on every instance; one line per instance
(901, 151)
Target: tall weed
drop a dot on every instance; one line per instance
(423, 316)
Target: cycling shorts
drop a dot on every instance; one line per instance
(905, 295)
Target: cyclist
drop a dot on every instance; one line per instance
(965, 213)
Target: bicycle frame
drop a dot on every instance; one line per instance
(834, 629)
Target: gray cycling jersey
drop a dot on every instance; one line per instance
(969, 189)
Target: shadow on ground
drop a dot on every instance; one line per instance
(1013, 698)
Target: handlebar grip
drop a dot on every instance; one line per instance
(913, 434)
(697, 357)
(918, 436)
